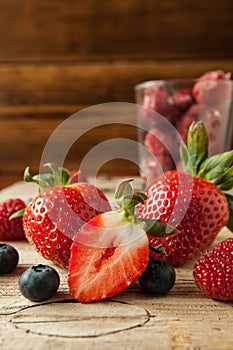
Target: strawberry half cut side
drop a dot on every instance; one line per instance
(111, 251)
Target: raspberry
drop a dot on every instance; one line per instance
(11, 229)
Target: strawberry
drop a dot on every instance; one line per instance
(160, 101)
(160, 141)
(154, 166)
(213, 271)
(54, 216)
(186, 119)
(192, 202)
(11, 229)
(212, 119)
(183, 99)
(109, 252)
(212, 89)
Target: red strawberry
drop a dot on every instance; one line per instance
(56, 214)
(185, 120)
(183, 99)
(213, 89)
(11, 229)
(161, 102)
(109, 252)
(160, 141)
(213, 271)
(195, 206)
(212, 119)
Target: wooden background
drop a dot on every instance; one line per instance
(58, 57)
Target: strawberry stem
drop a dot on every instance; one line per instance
(127, 200)
(58, 177)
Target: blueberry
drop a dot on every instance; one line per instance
(39, 282)
(158, 278)
(9, 258)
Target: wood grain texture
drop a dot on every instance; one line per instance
(58, 30)
(184, 319)
(59, 57)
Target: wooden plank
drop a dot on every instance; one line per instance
(79, 30)
(31, 111)
(183, 319)
(24, 143)
(90, 83)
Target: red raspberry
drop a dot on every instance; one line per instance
(11, 229)
(213, 271)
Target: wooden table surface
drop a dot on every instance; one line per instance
(183, 319)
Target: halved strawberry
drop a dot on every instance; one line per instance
(109, 252)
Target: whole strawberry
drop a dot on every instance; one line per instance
(213, 271)
(54, 216)
(11, 229)
(192, 201)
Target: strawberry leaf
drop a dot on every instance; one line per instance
(43, 181)
(197, 145)
(158, 228)
(61, 175)
(225, 181)
(186, 160)
(124, 189)
(129, 203)
(214, 167)
(17, 214)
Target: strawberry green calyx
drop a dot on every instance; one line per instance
(217, 169)
(127, 200)
(57, 177)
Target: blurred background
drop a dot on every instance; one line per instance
(60, 56)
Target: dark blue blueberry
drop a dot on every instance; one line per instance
(39, 282)
(158, 278)
(9, 258)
